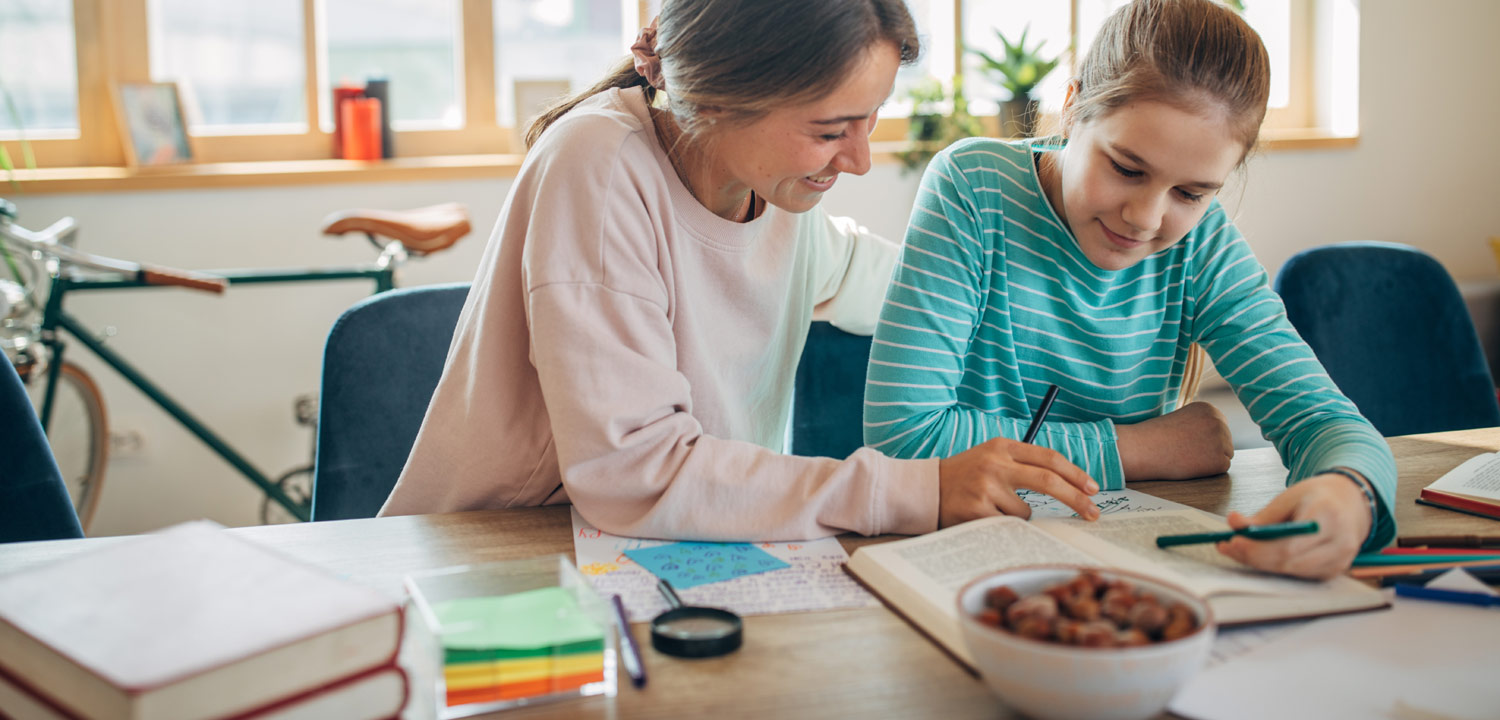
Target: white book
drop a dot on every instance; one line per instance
(190, 622)
(919, 577)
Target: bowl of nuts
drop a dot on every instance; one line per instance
(1060, 641)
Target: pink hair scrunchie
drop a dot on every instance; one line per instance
(647, 64)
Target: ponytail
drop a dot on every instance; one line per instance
(623, 76)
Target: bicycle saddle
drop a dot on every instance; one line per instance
(422, 230)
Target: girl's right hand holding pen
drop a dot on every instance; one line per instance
(983, 480)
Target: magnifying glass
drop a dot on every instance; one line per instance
(694, 632)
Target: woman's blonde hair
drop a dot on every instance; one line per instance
(743, 58)
(1196, 55)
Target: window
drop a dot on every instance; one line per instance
(257, 75)
(38, 70)
(412, 44)
(552, 47)
(238, 63)
(1284, 27)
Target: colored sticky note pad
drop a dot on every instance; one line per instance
(536, 620)
(689, 564)
(522, 645)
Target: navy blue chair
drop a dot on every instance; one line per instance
(381, 364)
(1394, 333)
(829, 400)
(34, 503)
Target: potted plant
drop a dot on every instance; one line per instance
(1019, 70)
(930, 128)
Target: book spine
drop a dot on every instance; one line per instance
(28, 701)
(335, 686)
(1453, 502)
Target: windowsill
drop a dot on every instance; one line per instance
(444, 167)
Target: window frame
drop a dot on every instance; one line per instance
(112, 41)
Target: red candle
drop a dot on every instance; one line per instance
(341, 94)
(361, 129)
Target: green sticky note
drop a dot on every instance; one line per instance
(544, 618)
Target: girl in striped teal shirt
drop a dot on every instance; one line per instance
(1094, 261)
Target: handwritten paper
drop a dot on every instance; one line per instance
(690, 564)
(814, 578)
(1109, 502)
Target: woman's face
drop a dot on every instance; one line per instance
(792, 155)
(1135, 181)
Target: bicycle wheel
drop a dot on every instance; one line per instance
(79, 436)
(297, 484)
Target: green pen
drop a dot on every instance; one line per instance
(1254, 532)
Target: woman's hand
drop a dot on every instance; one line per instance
(1191, 441)
(983, 480)
(1343, 517)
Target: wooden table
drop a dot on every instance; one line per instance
(862, 663)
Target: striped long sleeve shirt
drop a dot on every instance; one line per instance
(993, 301)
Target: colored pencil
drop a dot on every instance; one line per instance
(1449, 541)
(1254, 532)
(1376, 571)
(1484, 573)
(1368, 559)
(1453, 596)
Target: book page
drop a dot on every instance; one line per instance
(1478, 477)
(1129, 541)
(935, 566)
(1109, 502)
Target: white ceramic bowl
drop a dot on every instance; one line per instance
(1051, 681)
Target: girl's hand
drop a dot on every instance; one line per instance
(983, 480)
(1191, 441)
(1343, 517)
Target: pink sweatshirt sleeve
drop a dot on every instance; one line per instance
(635, 462)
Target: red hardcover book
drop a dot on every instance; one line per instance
(188, 622)
(1472, 505)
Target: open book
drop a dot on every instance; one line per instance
(920, 577)
(1473, 487)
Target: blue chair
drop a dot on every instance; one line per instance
(34, 502)
(1390, 326)
(829, 397)
(381, 364)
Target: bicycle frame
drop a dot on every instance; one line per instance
(55, 318)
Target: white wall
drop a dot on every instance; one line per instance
(1426, 172)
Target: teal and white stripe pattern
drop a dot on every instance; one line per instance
(992, 301)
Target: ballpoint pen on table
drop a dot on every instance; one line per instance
(1254, 532)
(630, 653)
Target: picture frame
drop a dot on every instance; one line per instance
(152, 125)
(532, 97)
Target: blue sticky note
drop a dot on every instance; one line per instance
(689, 564)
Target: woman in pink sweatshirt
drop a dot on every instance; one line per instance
(632, 335)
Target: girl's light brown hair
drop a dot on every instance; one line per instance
(743, 58)
(1196, 55)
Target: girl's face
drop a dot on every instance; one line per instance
(792, 155)
(1135, 181)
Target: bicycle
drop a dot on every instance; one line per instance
(69, 403)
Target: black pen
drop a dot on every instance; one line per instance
(630, 654)
(1040, 415)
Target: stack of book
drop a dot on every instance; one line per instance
(193, 622)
